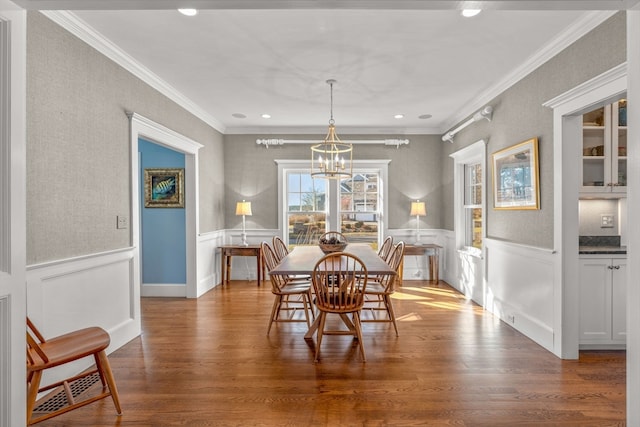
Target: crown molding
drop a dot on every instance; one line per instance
(84, 32)
(586, 23)
(341, 130)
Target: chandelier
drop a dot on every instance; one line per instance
(332, 158)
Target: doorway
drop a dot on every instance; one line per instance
(143, 128)
(568, 109)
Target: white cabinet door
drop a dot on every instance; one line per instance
(619, 300)
(604, 150)
(595, 301)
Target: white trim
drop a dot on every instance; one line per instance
(633, 211)
(472, 283)
(13, 48)
(567, 136)
(382, 166)
(76, 26)
(612, 76)
(148, 129)
(63, 296)
(586, 23)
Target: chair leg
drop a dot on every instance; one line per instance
(323, 317)
(274, 311)
(356, 323)
(105, 371)
(32, 393)
(392, 315)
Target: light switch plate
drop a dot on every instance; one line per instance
(606, 220)
(123, 222)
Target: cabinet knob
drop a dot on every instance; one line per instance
(610, 267)
(617, 267)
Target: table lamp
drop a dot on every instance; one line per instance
(243, 208)
(418, 209)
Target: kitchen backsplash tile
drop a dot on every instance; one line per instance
(599, 241)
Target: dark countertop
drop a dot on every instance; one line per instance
(602, 250)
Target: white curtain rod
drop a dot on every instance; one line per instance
(485, 113)
(275, 141)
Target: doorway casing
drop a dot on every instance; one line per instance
(141, 127)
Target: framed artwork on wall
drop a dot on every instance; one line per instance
(515, 176)
(164, 188)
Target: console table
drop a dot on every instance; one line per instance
(432, 251)
(229, 251)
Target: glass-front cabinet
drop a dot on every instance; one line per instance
(604, 149)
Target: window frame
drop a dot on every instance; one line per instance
(470, 155)
(333, 195)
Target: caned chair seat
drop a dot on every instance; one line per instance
(43, 354)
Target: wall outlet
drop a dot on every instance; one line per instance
(511, 318)
(606, 220)
(122, 222)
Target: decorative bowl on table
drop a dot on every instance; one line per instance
(331, 245)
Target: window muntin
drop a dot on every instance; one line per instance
(473, 205)
(306, 208)
(355, 207)
(359, 207)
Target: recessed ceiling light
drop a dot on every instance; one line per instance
(398, 116)
(188, 12)
(468, 13)
(239, 116)
(266, 116)
(425, 116)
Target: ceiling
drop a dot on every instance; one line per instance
(235, 61)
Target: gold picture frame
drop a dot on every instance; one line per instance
(164, 188)
(516, 182)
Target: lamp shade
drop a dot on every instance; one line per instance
(243, 208)
(418, 208)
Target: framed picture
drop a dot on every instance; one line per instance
(515, 176)
(164, 188)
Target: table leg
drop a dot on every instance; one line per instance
(223, 258)
(228, 277)
(258, 266)
(433, 268)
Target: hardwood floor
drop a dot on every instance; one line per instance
(209, 362)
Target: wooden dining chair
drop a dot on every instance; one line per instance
(381, 287)
(339, 281)
(285, 288)
(385, 249)
(45, 354)
(279, 247)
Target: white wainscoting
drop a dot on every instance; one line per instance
(417, 267)
(520, 288)
(94, 290)
(209, 257)
(209, 260)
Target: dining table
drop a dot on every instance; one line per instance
(302, 260)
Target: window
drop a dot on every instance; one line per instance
(359, 213)
(469, 197)
(355, 206)
(473, 205)
(306, 208)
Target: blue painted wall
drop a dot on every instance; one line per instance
(164, 258)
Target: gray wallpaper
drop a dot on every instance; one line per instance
(78, 148)
(519, 115)
(414, 172)
(78, 155)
